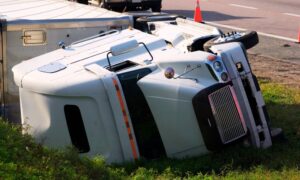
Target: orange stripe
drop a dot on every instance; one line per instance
(128, 130)
(125, 117)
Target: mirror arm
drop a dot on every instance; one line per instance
(147, 50)
(108, 60)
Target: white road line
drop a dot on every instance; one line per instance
(242, 6)
(242, 29)
(277, 37)
(260, 33)
(225, 26)
(291, 14)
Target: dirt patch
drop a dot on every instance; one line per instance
(280, 71)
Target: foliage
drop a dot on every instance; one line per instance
(22, 158)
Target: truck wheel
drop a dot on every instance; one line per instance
(156, 8)
(249, 39)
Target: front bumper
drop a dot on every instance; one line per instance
(247, 92)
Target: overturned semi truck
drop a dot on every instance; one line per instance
(128, 94)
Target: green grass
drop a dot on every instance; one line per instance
(21, 158)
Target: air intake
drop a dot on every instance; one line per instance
(227, 113)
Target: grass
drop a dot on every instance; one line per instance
(21, 158)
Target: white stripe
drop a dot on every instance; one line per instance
(277, 37)
(242, 6)
(225, 26)
(260, 33)
(291, 14)
(242, 29)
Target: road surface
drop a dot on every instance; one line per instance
(276, 17)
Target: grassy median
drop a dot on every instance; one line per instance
(21, 158)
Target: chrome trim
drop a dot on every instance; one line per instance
(19, 25)
(226, 111)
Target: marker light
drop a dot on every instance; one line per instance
(211, 57)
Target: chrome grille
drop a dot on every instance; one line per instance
(229, 120)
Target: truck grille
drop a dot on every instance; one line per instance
(227, 113)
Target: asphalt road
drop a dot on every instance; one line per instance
(276, 17)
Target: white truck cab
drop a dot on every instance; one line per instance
(128, 94)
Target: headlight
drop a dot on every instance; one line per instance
(218, 66)
(224, 76)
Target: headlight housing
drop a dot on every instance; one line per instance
(218, 66)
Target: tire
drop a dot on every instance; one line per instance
(156, 8)
(249, 39)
